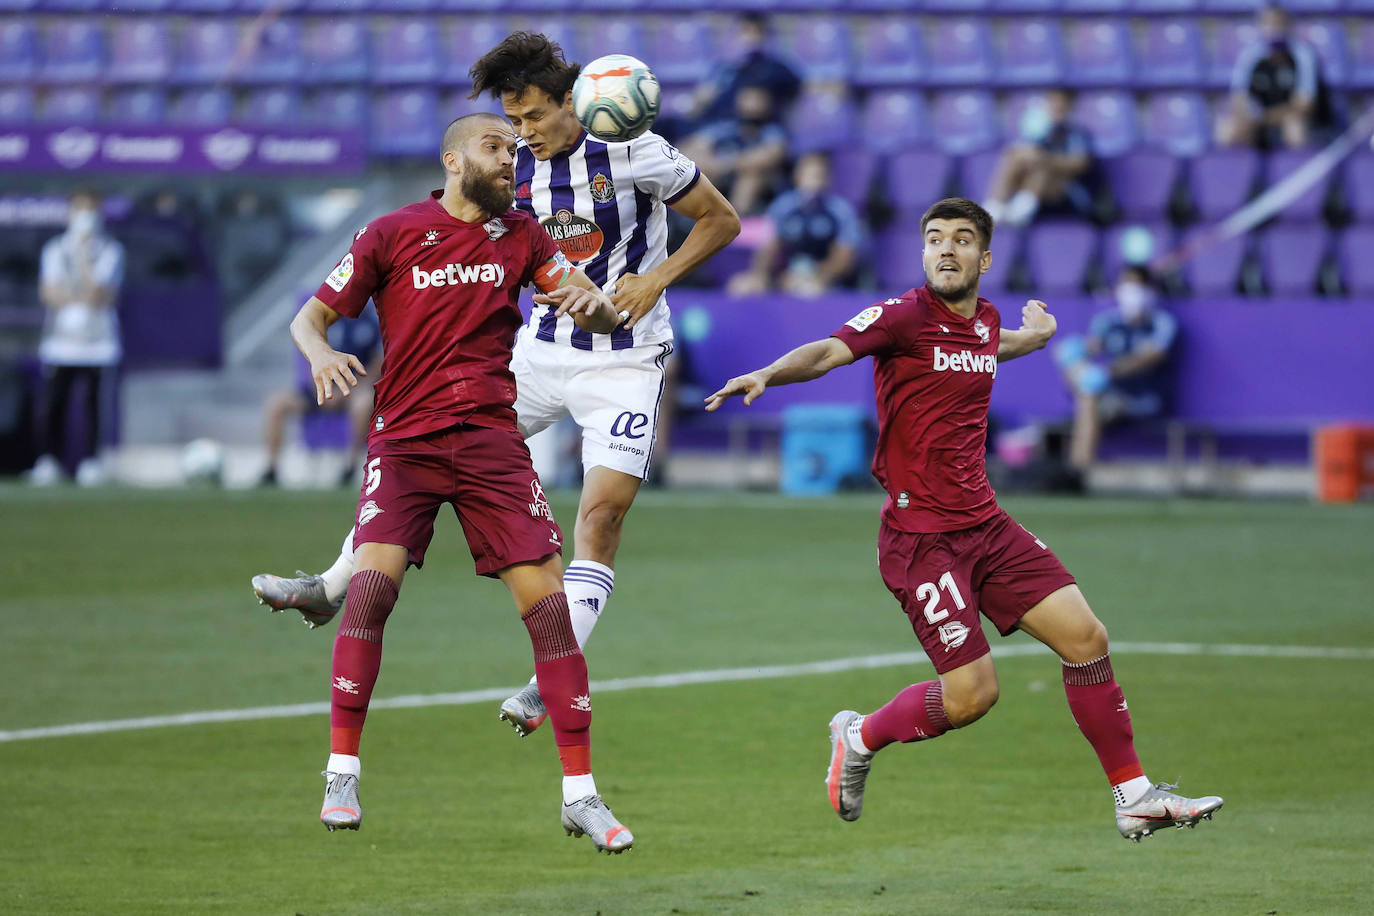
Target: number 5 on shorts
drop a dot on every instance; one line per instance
(374, 476)
(930, 593)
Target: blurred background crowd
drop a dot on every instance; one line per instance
(1188, 184)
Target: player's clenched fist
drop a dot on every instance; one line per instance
(1035, 316)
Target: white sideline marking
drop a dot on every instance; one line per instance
(678, 679)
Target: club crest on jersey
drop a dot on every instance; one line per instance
(953, 634)
(339, 278)
(861, 321)
(602, 188)
(495, 228)
(577, 237)
(368, 512)
(984, 334)
(431, 238)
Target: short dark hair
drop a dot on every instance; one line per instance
(961, 208)
(522, 60)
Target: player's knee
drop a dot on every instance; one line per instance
(968, 705)
(602, 519)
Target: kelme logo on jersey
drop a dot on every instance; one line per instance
(577, 237)
(964, 361)
(453, 274)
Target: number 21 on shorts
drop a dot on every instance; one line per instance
(929, 592)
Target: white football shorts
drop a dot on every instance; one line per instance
(613, 395)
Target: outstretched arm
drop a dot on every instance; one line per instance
(1037, 327)
(803, 364)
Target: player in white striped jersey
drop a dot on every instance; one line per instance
(605, 205)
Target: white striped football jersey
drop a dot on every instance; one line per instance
(605, 206)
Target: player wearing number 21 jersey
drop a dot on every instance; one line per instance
(946, 550)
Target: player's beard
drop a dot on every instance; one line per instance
(955, 288)
(484, 188)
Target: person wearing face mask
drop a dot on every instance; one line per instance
(744, 156)
(79, 278)
(1120, 369)
(1278, 96)
(756, 65)
(815, 242)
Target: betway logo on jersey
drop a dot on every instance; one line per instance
(453, 274)
(964, 361)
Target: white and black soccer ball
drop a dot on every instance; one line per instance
(616, 97)
(202, 462)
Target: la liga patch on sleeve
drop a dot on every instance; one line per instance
(339, 278)
(862, 320)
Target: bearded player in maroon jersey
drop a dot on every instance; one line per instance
(445, 275)
(946, 550)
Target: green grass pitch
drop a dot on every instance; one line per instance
(122, 604)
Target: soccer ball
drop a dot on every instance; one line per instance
(202, 462)
(616, 97)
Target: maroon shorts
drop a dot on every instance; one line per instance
(944, 580)
(485, 474)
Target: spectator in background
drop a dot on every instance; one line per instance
(362, 337)
(743, 156)
(1278, 95)
(1050, 169)
(79, 279)
(1120, 369)
(815, 242)
(757, 67)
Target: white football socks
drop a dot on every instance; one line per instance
(336, 577)
(1129, 792)
(589, 586)
(575, 787)
(854, 736)
(344, 763)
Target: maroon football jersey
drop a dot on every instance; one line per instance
(446, 293)
(933, 373)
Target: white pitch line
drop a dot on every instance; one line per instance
(678, 679)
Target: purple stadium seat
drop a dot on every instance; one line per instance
(1014, 108)
(1164, 6)
(1359, 186)
(1178, 122)
(1032, 53)
(1328, 37)
(17, 6)
(71, 105)
(1308, 207)
(962, 51)
(1305, 7)
(16, 104)
(821, 47)
(1362, 55)
(897, 261)
(207, 51)
(1229, 38)
(142, 105)
(1008, 243)
(1228, 6)
(1171, 54)
(561, 29)
(892, 120)
(1215, 271)
(337, 106)
(822, 119)
(965, 121)
(1058, 254)
(682, 49)
(202, 107)
(853, 169)
(202, 6)
(405, 122)
(406, 51)
(1026, 6)
(336, 6)
(140, 51)
(18, 50)
(143, 6)
(1111, 119)
(1291, 255)
(1113, 256)
(975, 173)
(1095, 6)
(889, 51)
(70, 6)
(955, 6)
(1142, 181)
(74, 51)
(401, 6)
(916, 179)
(461, 45)
(1357, 267)
(273, 106)
(1099, 53)
(1220, 181)
(338, 50)
(274, 56)
(619, 35)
